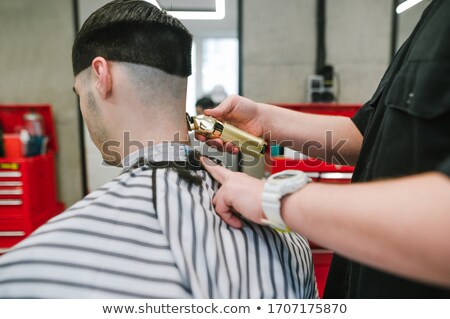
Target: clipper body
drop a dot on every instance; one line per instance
(213, 128)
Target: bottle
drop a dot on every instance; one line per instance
(34, 123)
(33, 134)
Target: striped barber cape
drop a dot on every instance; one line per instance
(150, 233)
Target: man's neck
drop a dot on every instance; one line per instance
(137, 125)
(151, 136)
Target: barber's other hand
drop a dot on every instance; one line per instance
(238, 193)
(239, 112)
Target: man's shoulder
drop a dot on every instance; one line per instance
(137, 181)
(127, 193)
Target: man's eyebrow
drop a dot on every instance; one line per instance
(73, 88)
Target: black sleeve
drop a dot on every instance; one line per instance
(444, 167)
(362, 117)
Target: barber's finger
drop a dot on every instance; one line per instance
(217, 143)
(219, 173)
(213, 142)
(223, 147)
(217, 196)
(231, 148)
(232, 220)
(200, 137)
(225, 212)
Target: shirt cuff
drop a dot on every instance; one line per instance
(362, 118)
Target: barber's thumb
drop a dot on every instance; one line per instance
(215, 112)
(220, 109)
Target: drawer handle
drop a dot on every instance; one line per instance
(11, 183)
(11, 191)
(336, 175)
(12, 233)
(10, 202)
(10, 174)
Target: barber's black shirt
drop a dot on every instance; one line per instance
(406, 129)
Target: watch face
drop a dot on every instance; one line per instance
(283, 176)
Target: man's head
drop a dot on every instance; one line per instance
(131, 62)
(137, 32)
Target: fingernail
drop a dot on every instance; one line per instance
(207, 161)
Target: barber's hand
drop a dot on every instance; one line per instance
(238, 193)
(239, 112)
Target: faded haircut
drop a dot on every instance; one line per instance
(134, 31)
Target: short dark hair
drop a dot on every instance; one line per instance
(134, 31)
(205, 103)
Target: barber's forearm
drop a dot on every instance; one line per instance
(331, 138)
(400, 226)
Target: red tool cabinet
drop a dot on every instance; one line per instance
(319, 172)
(27, 184)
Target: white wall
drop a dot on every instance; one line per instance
(358, 45)
(279, 48)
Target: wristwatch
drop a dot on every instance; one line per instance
(277, 186)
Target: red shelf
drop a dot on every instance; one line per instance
(27, 184)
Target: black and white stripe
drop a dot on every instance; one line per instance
(115, 244)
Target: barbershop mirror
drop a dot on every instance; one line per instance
(215, 65)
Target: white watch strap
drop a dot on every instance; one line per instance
(271, 206)
(277, 186)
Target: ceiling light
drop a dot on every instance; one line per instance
(219, 14)
(406, 5)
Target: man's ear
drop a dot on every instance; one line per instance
(102, 76)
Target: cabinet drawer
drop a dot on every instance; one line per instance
(9, 239)
(11, 223)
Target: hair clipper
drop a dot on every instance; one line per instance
(212, 128)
